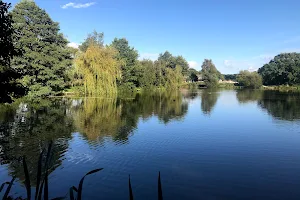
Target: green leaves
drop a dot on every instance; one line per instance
(8, 189)
(100, 70)
(160, 195)
(80, 186)
(9, 87)
(210, 74)
(45, 58)
(92, 39)
(283, 69)
(159, 191)
(130, 190)
(249, 79)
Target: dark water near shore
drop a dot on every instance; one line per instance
(207, 144)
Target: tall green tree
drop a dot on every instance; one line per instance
(8, 84)
(148, 75)
(94, 38)
(283, 69)
(192, 75)
(249, 79)
(173, 61)
(181, 61)
(127, 57)
(45, 58)
(173, 77)
(99, 70)
(210, 74)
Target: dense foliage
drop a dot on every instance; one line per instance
(230, 77)
(172, 62)
(193, 75)
(127, 57)
(34, 56)
(99, 70)
(210, 74)
(283, 69)
(249, 79)
(95, 39)
(45, 57)
(46, 66)
(8, 84)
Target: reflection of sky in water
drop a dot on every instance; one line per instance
(237, 151)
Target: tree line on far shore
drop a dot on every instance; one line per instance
(35, 60)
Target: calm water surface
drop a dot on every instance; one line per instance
(207, 144)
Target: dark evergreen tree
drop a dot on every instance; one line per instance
(9, 87)
(127, 56)
(45, 58)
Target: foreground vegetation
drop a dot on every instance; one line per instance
(42, 186)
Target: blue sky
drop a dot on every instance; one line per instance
(235, 34)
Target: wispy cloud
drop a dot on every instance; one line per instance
(252, 69)
(251, 64)
(78, 5)
(150, 56)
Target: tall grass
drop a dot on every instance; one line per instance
(42, 186)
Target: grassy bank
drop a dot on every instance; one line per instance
(283, 88)
(201, 84)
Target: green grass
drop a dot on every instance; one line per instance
(283, 88)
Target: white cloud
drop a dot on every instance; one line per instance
(252, 69)
(73, 44)
(251, 64)
(228, 63)
(193, 64)
(150, 56)
(78, 5)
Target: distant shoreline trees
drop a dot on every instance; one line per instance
(210, 74)
(35, 57)
(284, 69)
(249, 79)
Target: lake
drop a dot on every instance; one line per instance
(224, 144)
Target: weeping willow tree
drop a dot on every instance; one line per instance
(100, 70)
(174, 77)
